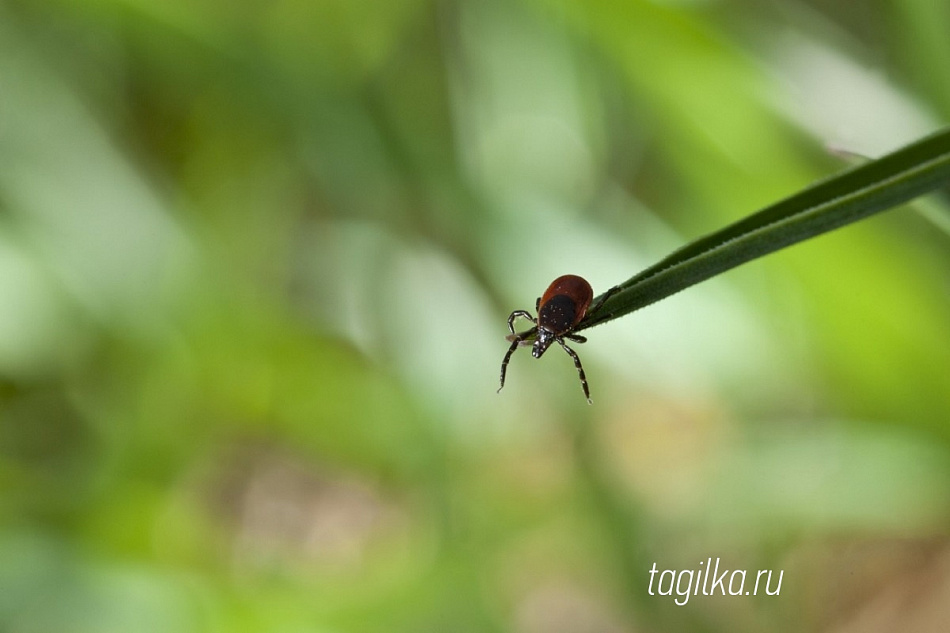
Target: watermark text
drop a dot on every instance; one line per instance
(708, 580)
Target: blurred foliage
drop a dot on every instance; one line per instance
(255, 261)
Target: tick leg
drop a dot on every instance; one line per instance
(504, 363)
(577, 338)
(580, 368)
(519, 313)
(603, 299)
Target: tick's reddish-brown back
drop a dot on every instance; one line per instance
(564, 303)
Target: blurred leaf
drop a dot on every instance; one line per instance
(833, 476)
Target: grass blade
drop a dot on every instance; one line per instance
(862, 191)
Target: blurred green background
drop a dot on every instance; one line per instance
(256, 259)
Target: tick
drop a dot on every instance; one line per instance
(562, 306)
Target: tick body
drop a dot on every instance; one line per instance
(560, 309)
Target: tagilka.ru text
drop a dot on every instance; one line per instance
(708, 580)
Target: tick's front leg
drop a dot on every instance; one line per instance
(524, 314)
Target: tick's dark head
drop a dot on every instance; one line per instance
(541, 344)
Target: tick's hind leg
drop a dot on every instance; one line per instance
(580, 368)
(603, 299)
